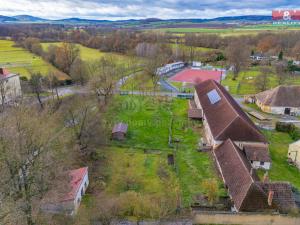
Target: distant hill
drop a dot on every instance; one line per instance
(5, 19)
(27, 18)
(143, 22)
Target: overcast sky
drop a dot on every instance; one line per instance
(136, 9)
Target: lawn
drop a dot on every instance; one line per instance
(138, 82)
(281, 170)
(245, 83)
(19, 60)
(149, 125)
(147, 173)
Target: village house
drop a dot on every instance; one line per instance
(10, 86)
(294, 153)
(247, 192)
(284, 100)
(223, 118)
(69, 202)
(119, 131)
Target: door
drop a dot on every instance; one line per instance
(287, 111)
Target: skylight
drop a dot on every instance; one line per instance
(213, 96)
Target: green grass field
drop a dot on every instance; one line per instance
(245, 83)
(149, 122)
(19, 60)
(142, 169)
(138, 82)
(245, 30)
(280, 169)
(91, 54)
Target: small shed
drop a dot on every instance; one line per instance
(119, 131)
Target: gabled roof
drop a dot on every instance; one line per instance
(281, 96)
(283, 195)
(240, 178)
(77, 177)
(225, 118)
(257, 153)
(120, 127)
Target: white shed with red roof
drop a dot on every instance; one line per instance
(70, 202)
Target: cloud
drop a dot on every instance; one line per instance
(136, 9)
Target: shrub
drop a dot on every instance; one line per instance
(285, 127)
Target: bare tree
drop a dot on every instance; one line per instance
(79, 72)
(65, 56)
(84, 120)
(105, 76)
(29, 164)
(237, 54)
(36, 84)
(263, 79)
(281, 72)
(151, 69)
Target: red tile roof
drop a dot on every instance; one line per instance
(4, 72)
(240, 178)
(77, 177)
(195, 76)
(225, 118)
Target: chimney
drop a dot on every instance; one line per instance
(251, 171)
(266, 178)
(270, 197)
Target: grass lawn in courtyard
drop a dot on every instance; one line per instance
(280, 169)
(149, 125)
(21, 61)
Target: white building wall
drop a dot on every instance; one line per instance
(257, 165)
(82, 189)
(294, 153)
(12, 88)
(281, 110)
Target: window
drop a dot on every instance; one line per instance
(262, 163)
(213, 96)
(82, 192)
(251, 161)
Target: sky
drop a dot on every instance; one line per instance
(139, 9)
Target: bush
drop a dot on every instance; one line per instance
(289, 128)
(285, 127)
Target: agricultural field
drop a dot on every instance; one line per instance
(149, 130)
(245, 83)
(245, 30)
(91, 54)
(20, 61)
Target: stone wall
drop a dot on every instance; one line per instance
(244, 219)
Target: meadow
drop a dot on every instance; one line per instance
(244, 30)
(280, 169)
(91, 54)
(21, 61)
(245, 82)
(149, 130)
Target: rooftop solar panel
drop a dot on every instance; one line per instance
(213, 96)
